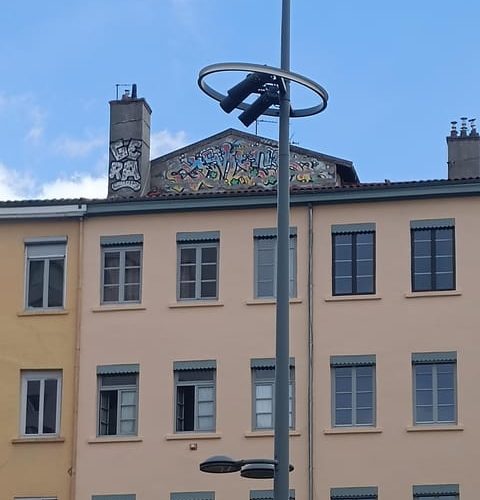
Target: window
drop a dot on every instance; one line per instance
(41, 402)
(263, 393)
(195, 396)
(35, 498)
(433, 255)
(45, 272)
(268, 494)
(197, 269)
(364, 493)
(193, 495)
(353, 390)
(353, 259)
(114, 497)
(117, 399)
(121, 268)
(434, 387)
(438, 491)
(265, 247)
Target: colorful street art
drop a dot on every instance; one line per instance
(237, 164)
(124, 171)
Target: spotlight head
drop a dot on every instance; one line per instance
(258, 107)
(237, 94)
(220, 464)
(258, 471)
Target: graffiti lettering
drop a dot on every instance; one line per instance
(124, 171)
(238, 164)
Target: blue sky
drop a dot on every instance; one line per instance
(397, 74)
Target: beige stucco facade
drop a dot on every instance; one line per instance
(393, 455)
(36, 341)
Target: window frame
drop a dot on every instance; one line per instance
(270, 234)
(434, 389)
(198, 245)
(122, 249)
(119, 388)
(270, 381)
(45, 242)
(432, 227)
(41, 376)
(353, 363)
(353, 230)
(197, 384)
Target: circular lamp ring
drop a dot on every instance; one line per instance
(267, 70)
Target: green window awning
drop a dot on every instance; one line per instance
(207, 364)
(419, 358)
(365, 227)
(354, 360)
(121, 240)
(118, 369)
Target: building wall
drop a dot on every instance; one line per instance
(158, 333)
(392, 324)
(35, 467)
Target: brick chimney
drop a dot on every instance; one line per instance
(129, 149)
(463, 151)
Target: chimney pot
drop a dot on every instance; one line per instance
(453, 131)
(463, 151)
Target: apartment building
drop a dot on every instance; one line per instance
(39, 264)
(177, 332)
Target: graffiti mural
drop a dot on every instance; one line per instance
(237, 164)
(124, 170)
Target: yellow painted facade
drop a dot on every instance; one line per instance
(36, 341)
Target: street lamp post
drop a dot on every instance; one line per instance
(273, 86)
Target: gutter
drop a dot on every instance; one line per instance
(42, 211)
(310, 357)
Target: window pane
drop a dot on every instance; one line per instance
(205, 423)
(265, 256)
(32, 407)
(132, 275)
(365, 268)
(132, 258)
(205, 394)
(446, 413)
(445, 281)
(35, 283)
(264, 406)
(188, 256)
(209, 255)
(209, 289)
(112, 259)
(265, 272)
(50, 407)
(209, 271)
(205, 409)
(264, 421)
(343, 400)
(55, 283)
(343, 252)
(343, 286)
(365, 251)
(187, 272)
(265, 289)
(364, 416)
(127, 427)
(343, 268)
(110, 293)
(422, 265)
(424, 397)
(343, 417)
(364, 400)
(111, 277)
(132, 292)
(365, 284)
(264, 391)
(187, 290)
(424, 414)
(446, 397)
(422, 282)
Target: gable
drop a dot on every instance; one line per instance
(235, 161)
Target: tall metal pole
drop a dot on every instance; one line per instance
(281, 451)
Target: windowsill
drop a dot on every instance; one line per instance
(115, 439)
(192, 436)
(260, 434)
(195, 303)
(119, 307)
(434, 427)
(38, 439)
(435, 293)
(261, 302)
(343, 298)
(43, 312)
(353, 430)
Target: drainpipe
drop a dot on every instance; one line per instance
(76, 367)
(310, 354)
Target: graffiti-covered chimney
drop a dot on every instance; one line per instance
(463, 150)
(129, 148)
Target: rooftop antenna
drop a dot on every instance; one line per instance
(128, 87)
(261, 121)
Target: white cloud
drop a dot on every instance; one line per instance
(77, 148)
(13, 185)
(37, 127)
(77, 186)
(164, 141)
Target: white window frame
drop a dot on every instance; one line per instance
(198, 246)
(40, 375)
(46, 270)
(271, 383)
(355, 408)
(120, 389)
(292, 260)
(198, 384)
(121, 249)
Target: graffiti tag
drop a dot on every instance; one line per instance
(124, 171)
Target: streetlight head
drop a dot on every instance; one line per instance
(238, 93)
(257, 109)
(258, 471)
(220, 464)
